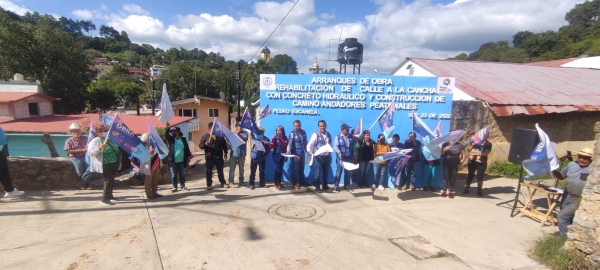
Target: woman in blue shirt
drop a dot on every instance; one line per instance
(179, 155)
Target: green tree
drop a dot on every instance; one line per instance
(284, 64)
(584, 14)
(462, 56)
(515, 55)
(521, 36)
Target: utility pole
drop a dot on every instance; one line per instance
(152, 102)
(238, 90)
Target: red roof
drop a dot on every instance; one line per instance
(16, 96)
(60, 123)
(551, 63)
(521, 89)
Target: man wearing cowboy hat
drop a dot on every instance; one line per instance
(576, 174)
(76, 147)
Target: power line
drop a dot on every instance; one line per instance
(261, 46)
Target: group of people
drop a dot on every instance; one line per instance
(102, 156)
(348, 146)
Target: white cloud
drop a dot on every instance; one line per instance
(83, 14)
(135, 9)
(103, 7)
(395, 31)
(9, 5)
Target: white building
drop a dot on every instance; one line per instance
(155, 70)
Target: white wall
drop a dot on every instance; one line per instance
(412, 69)
(5, 111)
(22, 107)
(20, 87)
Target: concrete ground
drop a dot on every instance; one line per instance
(239, 228)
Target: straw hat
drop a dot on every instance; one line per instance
(586, 151)
(73, 126)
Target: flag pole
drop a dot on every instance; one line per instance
(377, 119)
(109, 129)
(213, 127)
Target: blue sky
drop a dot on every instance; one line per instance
(391, 30)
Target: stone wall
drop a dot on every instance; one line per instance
(568, 131)
(584, 234)
(40, 173)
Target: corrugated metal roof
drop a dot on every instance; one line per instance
(522, 89)
(551, 63)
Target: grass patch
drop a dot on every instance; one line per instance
(512, 170)
(549, 252)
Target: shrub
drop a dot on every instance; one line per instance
(549, 251)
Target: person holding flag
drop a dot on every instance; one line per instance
(380, 168)
(104, 156)
(430, 167)
(478, 153)
(365, 153)
(297, 146)
(409, 176)
(279, 145)
(179, 156)
(344, 146)
(215, 151)
(259, 158)
(453, 154)
(76, 147)
(322, 162)
(238, 157)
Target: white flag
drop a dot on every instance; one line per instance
(543, 158)
(166, 109)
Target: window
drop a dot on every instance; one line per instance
(213, 113)
(33, 109)
(409, 66)
(187, 112)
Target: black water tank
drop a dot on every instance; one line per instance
(350, 52)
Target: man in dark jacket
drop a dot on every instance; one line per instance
(215, 151)
(179, 156)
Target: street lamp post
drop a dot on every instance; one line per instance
(238, 91)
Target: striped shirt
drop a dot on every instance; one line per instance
(74, 143)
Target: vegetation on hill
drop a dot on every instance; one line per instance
(580, 37)
(58, 53)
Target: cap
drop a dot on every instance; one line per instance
(261, 128)
(345, 126)
(144, 137)
(586, 151)
(237, 124)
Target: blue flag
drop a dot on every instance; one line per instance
(265, 112)
(420, 127)
(106, 119)
(395, 167)
(387, 118)
(433, 149)
(248, 122)
(222, 131)
(121, 135)
(156, 142)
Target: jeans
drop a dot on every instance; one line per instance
(177, 168)
(363, 173)
(83, 170)
(566, 214)
(473, 166)
(379, 171)
(409, 174)
(210, 163)
(278, 177)
(298, 166)
(4, 174)
(236, 161)
(338, 173)
(108, 174)
(321, 164)
(450, 173)
(260, 163)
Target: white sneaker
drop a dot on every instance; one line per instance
(373, 187)
(14, 193)
(185, 188)
(381, 187)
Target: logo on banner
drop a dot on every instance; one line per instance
(267, 81)
(445, 85)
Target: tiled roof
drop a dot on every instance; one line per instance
(16, 96)
(60, 123)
